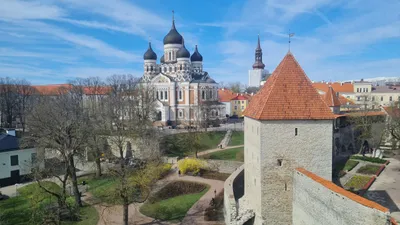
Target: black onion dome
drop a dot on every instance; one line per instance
(183, 52)
(150, 54)
(162, 59)
(196, 56)
(173, 37)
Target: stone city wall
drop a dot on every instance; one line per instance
(223, 166)
(230, 206)
(318, 201)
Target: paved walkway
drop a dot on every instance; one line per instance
(112, 215)
(386, 189)
(217, 150)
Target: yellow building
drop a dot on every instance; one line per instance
(239, 104)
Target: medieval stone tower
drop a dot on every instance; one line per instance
(287, 125)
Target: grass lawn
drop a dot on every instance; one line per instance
(234, 154)
(31, 201)
(368, 159)
(357, 182)
(368, 169)
(237, 138)
(177, 144)
(102, 188)
(173, 209)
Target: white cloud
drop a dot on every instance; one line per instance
(17, 9)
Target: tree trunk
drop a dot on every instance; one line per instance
(98, 166)
(126, 205)
(74, 179)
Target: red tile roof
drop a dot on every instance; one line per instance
(225, 95)
(288, 95)
(338, 87)
(240, 97)
(392, 111)
(343, 100)
(341, 191)
(331, 98)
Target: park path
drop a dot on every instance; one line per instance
(112, 215)
(217, 150)
(386, 189)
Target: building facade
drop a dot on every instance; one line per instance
(239, 104)
(182, 88)
(258, 73)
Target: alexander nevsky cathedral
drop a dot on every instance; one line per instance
(181, 85)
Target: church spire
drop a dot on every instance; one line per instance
(258, 64)
(173, 20)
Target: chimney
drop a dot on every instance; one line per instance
(11, 132)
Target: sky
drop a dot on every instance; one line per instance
(53, 41)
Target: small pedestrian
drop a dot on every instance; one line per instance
(179, 172)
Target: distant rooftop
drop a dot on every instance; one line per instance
(8, 143)
(386, 89)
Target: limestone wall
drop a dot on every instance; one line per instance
(230, 206)
(318, 201)
(286, 145)
(224, 166)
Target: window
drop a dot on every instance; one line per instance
(242, 102)
(235, 107)
(373, 98)
(203, 95)
(358, 98)
(381, 98)
(242, 107)
(295, 131)
(151, 68)
(212, 113)
(157, 94)
(279, 162)
(166, 95)
(162, 95)
(358, 90)
(180, 67)
(366, 89)
(33, 157)
(180, 95)
(216, 113)
(14, 160)
(170, 69)
(390, 98)
(170, 58)
(147, 69)
(180, 114)
(285, 186)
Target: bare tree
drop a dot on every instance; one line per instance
(393, 123)
(236, 87)
(59, 125)
(26, 98)
(8, 101)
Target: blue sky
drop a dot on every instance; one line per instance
(52, 41)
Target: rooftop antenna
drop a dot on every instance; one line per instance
(290, 35)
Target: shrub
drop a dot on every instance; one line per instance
(191, 165)
(369, 169)
(177, 188)
(368, 159)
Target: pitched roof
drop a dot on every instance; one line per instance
(288, 95)
(331, 98)
(225, 95)
(333, 187)
(240, 97)
(8, 142)
(338, 87)
(392, 111)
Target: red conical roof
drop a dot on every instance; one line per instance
(288, 94)
(331, 98)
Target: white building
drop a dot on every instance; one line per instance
(15, 163)
(182, 86)
(258, 74)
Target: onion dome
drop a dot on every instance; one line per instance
(162, 59)
(173, 37)
(183, 52)
(196, 56)
(150, 54)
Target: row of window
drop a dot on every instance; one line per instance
(238, 102)
(362, 89)
(15, 161)
(359, 98)
(163, 95)
(181, 113)
(237, 107)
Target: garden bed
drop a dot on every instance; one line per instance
(357, 182)
(171, 204)
(369, 169)
(213, 175)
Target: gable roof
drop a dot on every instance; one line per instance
(288, 95)
(8, 142)
(225, 95)
(240, 97)
(331, 98)
(338, 87)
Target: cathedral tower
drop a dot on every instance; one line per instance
(258, 73)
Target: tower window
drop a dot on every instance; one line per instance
(279, 162)
(295, 131)
(162, 95)
(286, 186)
(166, 95)
(170, 58)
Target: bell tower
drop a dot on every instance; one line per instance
(258, 73)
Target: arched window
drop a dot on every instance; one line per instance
(203, 94)
(147, 69)
(166, 95)
(180, 113)
(180, 67)
(170, 69)
(165, 69)
(217, 113)
(170, 58)
(151, 68)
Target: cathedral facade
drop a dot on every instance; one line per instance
(185, 93)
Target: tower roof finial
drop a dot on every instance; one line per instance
(173, 19)
(258, 43)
